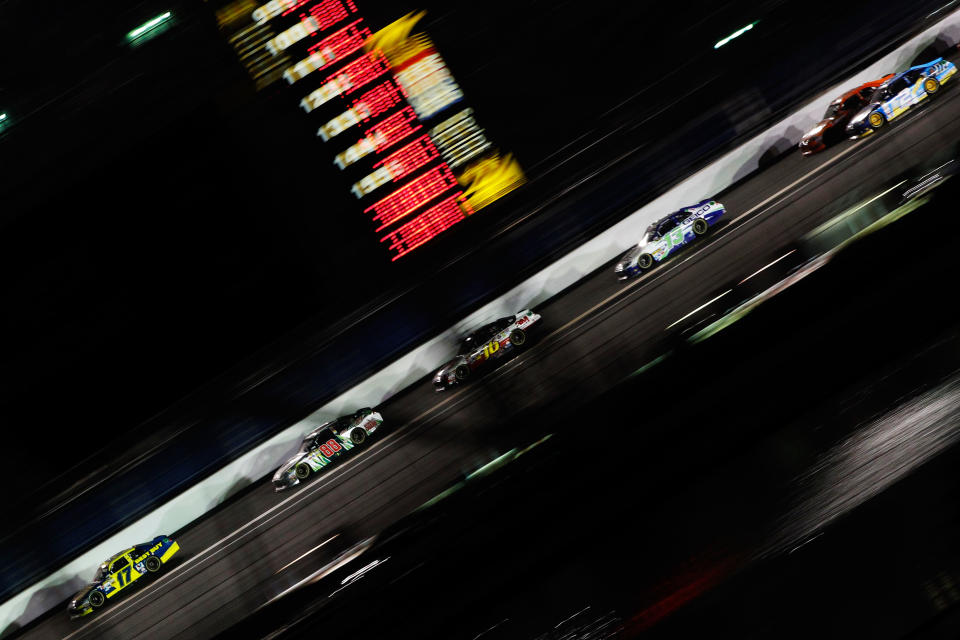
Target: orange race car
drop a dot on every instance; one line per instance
(831, 128)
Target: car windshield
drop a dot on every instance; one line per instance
(341, 423)
(468, 344)
(832, 111)
(101, 573)
(649, 234)
(308, 442)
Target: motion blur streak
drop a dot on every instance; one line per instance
(871, 460)
(662, 608)
(762, 269)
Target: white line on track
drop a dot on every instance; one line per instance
(393, 439)
(301, 557)
(659, 274)
(245, 530)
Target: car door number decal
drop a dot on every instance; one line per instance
(490, 348)
(675, 237)
(330, 448)
(122, 579)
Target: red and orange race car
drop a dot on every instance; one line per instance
(831, 128)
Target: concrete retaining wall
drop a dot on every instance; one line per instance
(193, 503)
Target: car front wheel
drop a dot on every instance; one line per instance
(876, 120)
(97, 599)
(645, 261)
(462, 372)
(303, 471)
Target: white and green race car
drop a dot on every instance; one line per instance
(667, 235)
(326, 443)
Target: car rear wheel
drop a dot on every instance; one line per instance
(517, 337)
(152, 564)
(876, 120)
(97, 599)
(358, 435)
(462, 372)
(303, 471)
(931, 86)
(645, 261)
(700, 226)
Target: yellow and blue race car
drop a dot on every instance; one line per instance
(899, 94)
(120, 570)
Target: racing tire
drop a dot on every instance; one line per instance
(931, 86)
(302, 471)
(517, 337)
(152, 564)
(645, 261)
(97, 599)
(700, 226)
(876, 120)
(358, 435)
(462, 372)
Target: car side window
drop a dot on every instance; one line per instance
(666, 226)
(119, 564)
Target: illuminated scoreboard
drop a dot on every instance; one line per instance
(389, 114)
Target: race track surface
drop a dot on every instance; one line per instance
(592, 336)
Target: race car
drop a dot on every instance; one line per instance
(490, 343)
(896, 96)
(117, 572)
(325, 444)
(667, 235)
(832, 128)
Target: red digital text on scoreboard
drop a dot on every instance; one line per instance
(411, 196)
(342, 42)
(380, 99)
(359, 72)
(394, 128)
(427, 225)
(328, 12)
(409, 157)
(426, 198)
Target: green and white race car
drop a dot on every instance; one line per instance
(324, 444)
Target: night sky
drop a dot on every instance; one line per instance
(162, 220)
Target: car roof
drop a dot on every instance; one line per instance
(873, 84)
(897, 76)
(924, 65)
(323, 427)
(118, 554)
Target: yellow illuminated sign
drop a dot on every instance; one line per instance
(490, 178)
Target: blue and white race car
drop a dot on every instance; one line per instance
(899, 94)
(667, 235)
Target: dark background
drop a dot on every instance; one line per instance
(162, 220)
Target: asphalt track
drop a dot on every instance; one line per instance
(594, 334)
